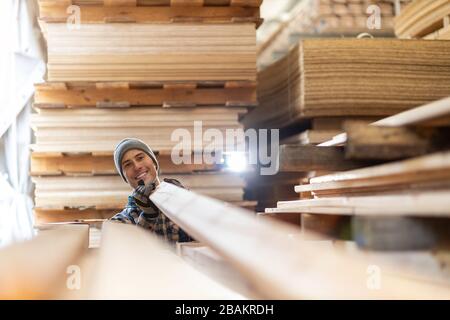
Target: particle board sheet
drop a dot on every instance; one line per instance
(99, 130)
(111, 192)
(124, 94)
(151, 52)
(351, 77)
(424, 19)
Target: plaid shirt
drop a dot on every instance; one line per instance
(160, 224)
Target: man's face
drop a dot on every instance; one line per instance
(136, 166)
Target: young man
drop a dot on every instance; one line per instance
(137, 165)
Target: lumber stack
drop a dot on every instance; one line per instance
(327, 18)
(350, 77)
(138, 69)
(151, 52)
(392, 206)
(427, 19)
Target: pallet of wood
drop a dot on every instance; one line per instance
(427, 19)
(144, 11)
(52, 95)
(151, 52)
(139, 68)
(92, 163)
(350, 77)
(325, 18)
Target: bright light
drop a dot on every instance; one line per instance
(236, 161)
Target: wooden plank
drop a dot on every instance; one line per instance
(153, 3)
(37, 269)
(101, 165)
(421, 18)
(159, 14)
(206, 260)
(429, 168)
(92, 95)
(125, 246)
(298, 158)
(43, 217)
(419, 203)
(339, 276)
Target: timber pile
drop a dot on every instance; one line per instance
(391, 206)
(351, 77)
(427, 19)
(325, 19)
(151, 52)
(99, 130)
(138, 69)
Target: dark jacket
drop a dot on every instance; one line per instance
(158, 223)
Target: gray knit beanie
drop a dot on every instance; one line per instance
(129, 144)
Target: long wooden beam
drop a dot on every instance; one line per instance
(275, 260)
(38, 269)
(134, 264)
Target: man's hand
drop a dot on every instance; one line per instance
(141, 196)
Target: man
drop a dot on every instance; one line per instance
(138, 166)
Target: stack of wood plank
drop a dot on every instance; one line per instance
(392, 205)
(138, 69)
(350, 77)
(327, 18)
(428, 19)
(151, 52)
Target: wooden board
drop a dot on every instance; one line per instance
(92, 164)
(350, 77)
(125, 246)
(151, 52)
(126, 94)
(421, 18)
(97, 13)
(37, 269)
(429, 168)
(422, 204)
(139, 3)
